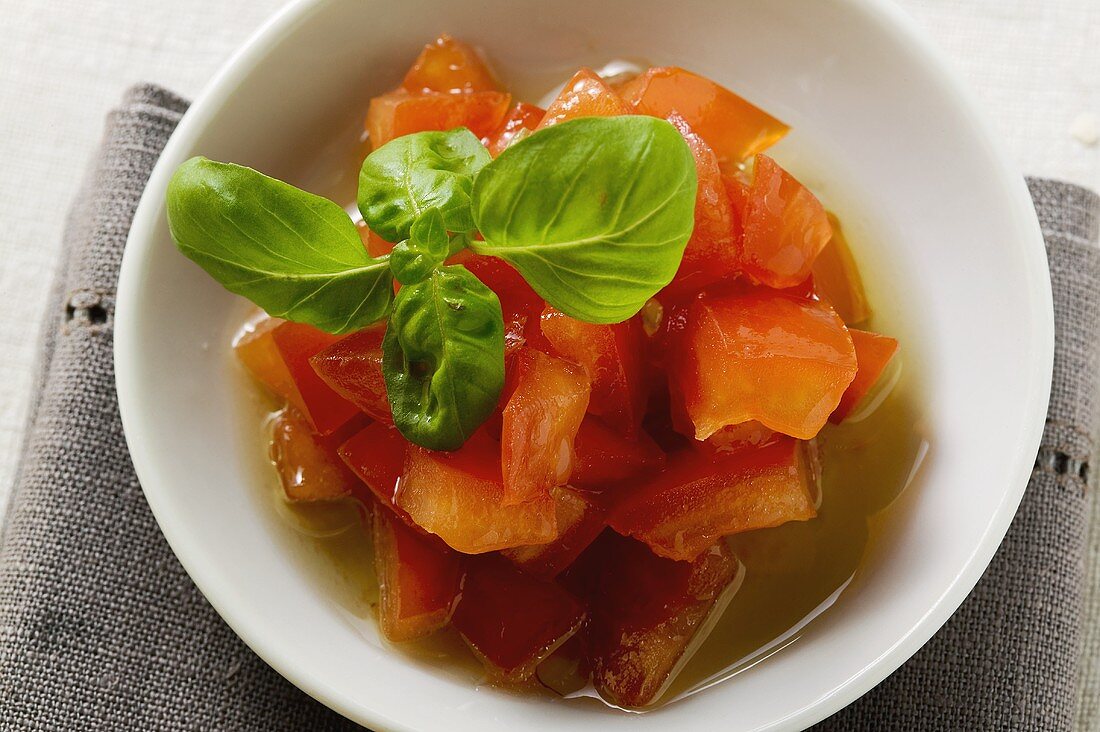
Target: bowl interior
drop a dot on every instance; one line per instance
(945, 233)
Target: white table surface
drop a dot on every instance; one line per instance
(1033, 64)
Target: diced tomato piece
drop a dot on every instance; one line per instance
(522, 117)
(400, 113)
(459, 496)
(418, 579)
(376, 245)
(513, 620)
(736, 437)
(700, 499)
(308, 466)
(612, 357)
(277, 353)
(585, 95)
(837, 280)
(873, 354)
(785, 227)
(580, 521)
(449, 66)
(543, 415)
(762, 355)
(711, 253)
(352, 367)
(736, 129)
(376, 454)
(255, 348)
(648, 615)
(604, 456)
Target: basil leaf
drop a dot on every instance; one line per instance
(296, 255)
(443, 358)
(594, 213)
(426, 248)
(402, 179)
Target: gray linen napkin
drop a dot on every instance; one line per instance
(100, 628)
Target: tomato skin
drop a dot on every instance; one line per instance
(712, 253)
(837, 279)
(699, 499)
(580, 520)
(873, 354)
(647, 613)
(585, 95)
(785, 227)
(451, 67)
(352, 367)
(523, 116)
(308, 466)
(399, 113)
(541, 419)
(605, 457)
(758, 354)
(512, 620)
(418, 580)
(277, 353)
(733, 127)
(459, 496)
(612, 356)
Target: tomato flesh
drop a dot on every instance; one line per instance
(699, 499)
(785, 227)
(712, 250)
(612, 357)
(873, 354)
(418, 580)
(580, 521)
(449, 66)
(585, 95)
(522, 117)
(513, 620)
(308, 466)
(459, 496)
(399, 113)
(606, 457)
(762, 355)
(277, 355)
(352, 367)
(837, 279)
(541, 419)
(649, 614)
(736, 129)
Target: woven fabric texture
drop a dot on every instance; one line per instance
(100, 628)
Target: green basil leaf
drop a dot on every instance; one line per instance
(296, 255)
(594, 213)
(443, 358)
(426, 248)
(408, 175)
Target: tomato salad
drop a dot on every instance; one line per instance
(563, 355)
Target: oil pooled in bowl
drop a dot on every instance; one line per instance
(792, 574)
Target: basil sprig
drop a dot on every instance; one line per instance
(594, 213)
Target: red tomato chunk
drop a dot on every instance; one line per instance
(700, 499)
(352, 367)
(512, 620)
(400, 113)
(449, 66)
(308, 466)
(522, 117)
(543, 415)
(649, 614)
(418, 580)
(605, 457)
(761, 355)
(460, 497)
(873, 353)
(580, 521)
(585, 95)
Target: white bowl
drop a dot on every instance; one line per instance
(882, 130)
